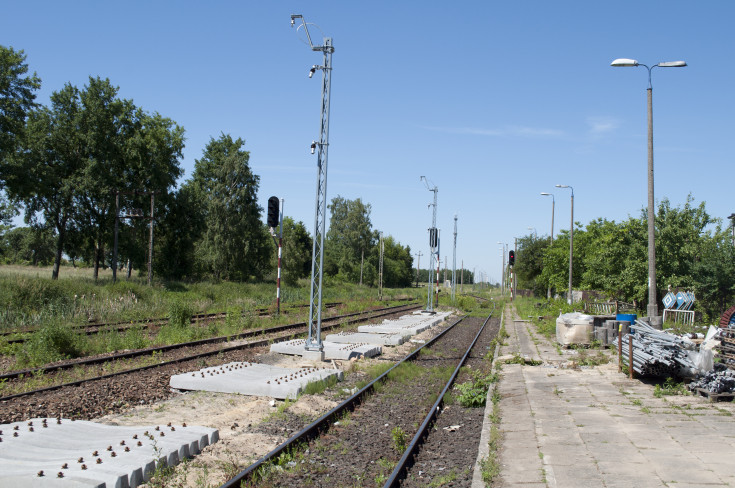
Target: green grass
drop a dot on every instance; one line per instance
(29, 299)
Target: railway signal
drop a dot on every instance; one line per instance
(273, 212)
(511, 258)
(275, 219)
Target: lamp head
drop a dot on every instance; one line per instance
(672, 64)
(312, 71)
(313, 146)
(624, 62)
(562, 186)
(546, 194)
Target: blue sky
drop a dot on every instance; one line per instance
(494, 102)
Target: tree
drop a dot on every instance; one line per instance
(232, 244)
(45, 175)
(296, 252)
(76, 153)
(26, 245)
(16, 98)
(350, 234)
(530, 262)
(397, 264)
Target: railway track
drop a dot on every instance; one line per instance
(374, 436)
(98, 368)
(93, 328)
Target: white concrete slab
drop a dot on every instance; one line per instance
(332, 350)
(253, 379)
(367, 338)
(408, 325)
(65, 453)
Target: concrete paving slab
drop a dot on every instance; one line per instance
(367, 338)
(253, 379)
(332, 350)
(66, 453)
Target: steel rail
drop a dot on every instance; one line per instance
(406, 461)
(312, 430)
(367, 315)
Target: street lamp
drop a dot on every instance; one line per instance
(624, 62)
(571, 243)
(534, 231)
(553, 204)
(732, 219)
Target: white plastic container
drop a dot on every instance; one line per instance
(574, 328)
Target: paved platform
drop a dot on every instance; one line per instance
(332, 350)
(367, 338)
(565, 426)
(66, 453)
(253, 379)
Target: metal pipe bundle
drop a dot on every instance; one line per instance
(657, 353)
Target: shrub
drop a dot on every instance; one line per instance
(52, 342)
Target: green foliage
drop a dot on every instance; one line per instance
(52, 342)
(16, 98)
(670, 387)
(231, 242)
(350, 234)
(179, 313)
(400, 439)
(296, 255)
(317, 387)
(88, 143)
(27, 245)
(473, 393)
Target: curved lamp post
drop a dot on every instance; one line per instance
(652, 308)
(553, 204)
(571, 243)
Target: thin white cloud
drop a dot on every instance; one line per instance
(602, 125)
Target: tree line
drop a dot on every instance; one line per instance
(71, 167)
(693, 252)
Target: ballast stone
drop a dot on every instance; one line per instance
(253, 379)
(51, 445)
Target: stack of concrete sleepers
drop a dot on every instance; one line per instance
(408, 325)
(253, 379)
(62, 452)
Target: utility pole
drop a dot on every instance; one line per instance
(433, 245)
(362, 261)
(380, 269)
(418, 262)
(454, 260)
(461, 279)
(314, 341)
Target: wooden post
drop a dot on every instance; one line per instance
(150, 246)
(630, 356)
(620, 348)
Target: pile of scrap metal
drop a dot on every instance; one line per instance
(726, 347)
(658, 353)
(720, 380)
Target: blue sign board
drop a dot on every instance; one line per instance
(669, 300)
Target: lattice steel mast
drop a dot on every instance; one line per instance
(434, 247)
(314, 340)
